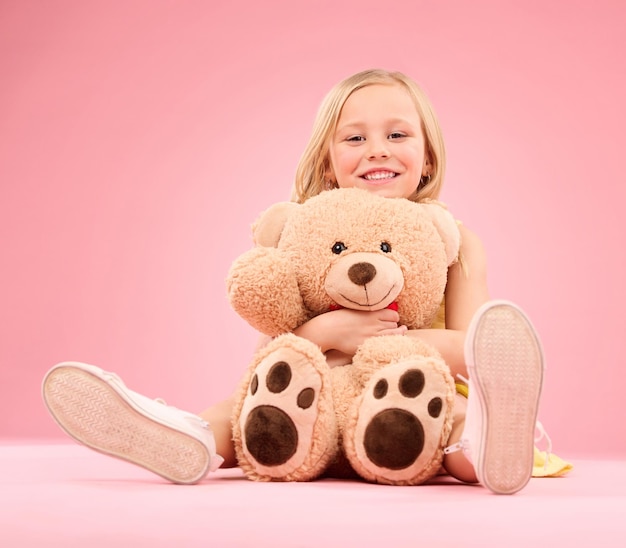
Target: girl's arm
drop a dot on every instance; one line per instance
(345, 329)
(340, 332)
(466, 291)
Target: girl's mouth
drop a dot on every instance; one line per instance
(379, 176)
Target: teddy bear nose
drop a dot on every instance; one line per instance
(361, 273)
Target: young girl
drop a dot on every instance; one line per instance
(377, 131)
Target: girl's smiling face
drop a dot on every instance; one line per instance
(379, 144)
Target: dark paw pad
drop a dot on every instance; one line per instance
(394, 437)
(270, 434)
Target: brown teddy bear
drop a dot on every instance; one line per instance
(388, 414)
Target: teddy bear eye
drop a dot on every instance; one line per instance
(338, 247)
(385, 247)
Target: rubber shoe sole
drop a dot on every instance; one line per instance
(97, 414)
(505, 365)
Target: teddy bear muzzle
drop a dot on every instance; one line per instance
(364, 281)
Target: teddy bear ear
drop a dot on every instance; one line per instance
(447, 227)
(267, 229)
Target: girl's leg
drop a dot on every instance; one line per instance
(219, 417)
(456, 464)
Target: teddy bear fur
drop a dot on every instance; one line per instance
(387, 415)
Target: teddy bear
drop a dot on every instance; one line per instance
(386, 416)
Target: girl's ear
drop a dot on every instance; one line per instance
(427, 170)
(329, 177)
(446, 226)
(267, 229)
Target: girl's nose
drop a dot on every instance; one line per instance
(378, 149)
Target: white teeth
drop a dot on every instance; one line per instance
(377, 175)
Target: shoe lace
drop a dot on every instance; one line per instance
(189, 415)
(113, 377)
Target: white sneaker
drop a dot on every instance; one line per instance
(96, 409)
(505, 365)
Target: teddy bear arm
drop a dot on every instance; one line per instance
(263, 289)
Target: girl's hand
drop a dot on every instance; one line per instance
(345, 330)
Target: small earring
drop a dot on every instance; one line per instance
(329, 185)
(424, 180)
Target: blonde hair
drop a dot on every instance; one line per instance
(315, 161)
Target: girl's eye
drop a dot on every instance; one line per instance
(396, 135)
(385, 247)
(356, 138)
(338, 247)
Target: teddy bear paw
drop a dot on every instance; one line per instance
(287, 419)
(401, 422)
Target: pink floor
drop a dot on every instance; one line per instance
(67, 495)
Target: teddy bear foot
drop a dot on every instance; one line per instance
(287, 420)
(400, 423)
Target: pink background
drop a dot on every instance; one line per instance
(138, 141)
